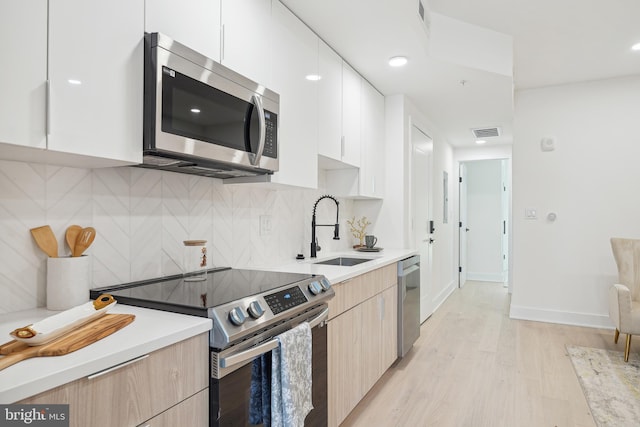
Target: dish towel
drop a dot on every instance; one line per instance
(260, 393)
(291, 378)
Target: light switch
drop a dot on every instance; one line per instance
(531, 213)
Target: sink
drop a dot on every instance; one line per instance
(345, 262)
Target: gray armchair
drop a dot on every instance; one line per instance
(624, 296)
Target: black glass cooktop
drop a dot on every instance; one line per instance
(175, 294)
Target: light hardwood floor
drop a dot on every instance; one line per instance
(473, 366)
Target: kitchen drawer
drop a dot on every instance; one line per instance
(353, 291)
(136, 391)
(193, 412)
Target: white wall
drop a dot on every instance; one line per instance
(484, 220)
(141, 217)
(563, 269)
(393, 215)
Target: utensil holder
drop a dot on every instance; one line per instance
(68, 282)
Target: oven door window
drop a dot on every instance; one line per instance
(195, 110)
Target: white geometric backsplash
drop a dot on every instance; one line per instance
(142, 217)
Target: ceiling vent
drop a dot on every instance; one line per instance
(480, 133)
(425, 17)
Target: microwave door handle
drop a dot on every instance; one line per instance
(255, 159)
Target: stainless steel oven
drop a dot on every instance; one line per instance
(249, 309)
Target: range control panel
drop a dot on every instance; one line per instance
(284, 300)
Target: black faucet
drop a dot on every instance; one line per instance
(336, 226)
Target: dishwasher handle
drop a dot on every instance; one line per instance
(267, 346)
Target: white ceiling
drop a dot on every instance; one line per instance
(553, 42)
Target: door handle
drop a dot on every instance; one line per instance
(255, 159)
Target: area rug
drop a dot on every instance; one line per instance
(611, 386)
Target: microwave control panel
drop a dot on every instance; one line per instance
(270, 138)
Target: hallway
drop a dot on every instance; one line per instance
(473, 366)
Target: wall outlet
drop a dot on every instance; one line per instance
(265, 225)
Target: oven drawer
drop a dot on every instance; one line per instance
(132, 393)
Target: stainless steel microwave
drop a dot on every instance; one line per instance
(203, 118)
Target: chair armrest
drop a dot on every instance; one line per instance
(620, 306)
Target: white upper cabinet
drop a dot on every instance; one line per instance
(366, 181)
(92, 104)
(23, 76)
(351, 92)
(246, 38)
(295, 62)
(194, 23)
(372, 142)
(329, 102)
(96, 78)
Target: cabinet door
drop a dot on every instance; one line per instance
(132, 393)
(95, 75)
(194, 23)
(389, 332)
(23, 76)
(246, 38)
(329, 103)
(344, 344)
(371, 342)
(372, 142)
(351, 89)
(295, 57)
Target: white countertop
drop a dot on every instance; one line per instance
(336, 273)
(151, 330)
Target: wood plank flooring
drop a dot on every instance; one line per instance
(473, 366)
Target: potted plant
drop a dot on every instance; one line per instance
(358, 229)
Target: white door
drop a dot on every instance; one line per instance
(421, 195)
(463, 226)
(505, 223)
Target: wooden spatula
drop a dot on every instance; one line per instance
(84, 240)
(46, 240)
(71, 236)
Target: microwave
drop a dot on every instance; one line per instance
(202, 118)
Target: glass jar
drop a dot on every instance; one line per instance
(194, 265)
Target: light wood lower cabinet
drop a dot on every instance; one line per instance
(362, 338)
(133, 394)
(191, 412)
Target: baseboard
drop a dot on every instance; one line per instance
(486, 277)
(444, 294)
(561, 317)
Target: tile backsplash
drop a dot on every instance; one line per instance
(141, 217)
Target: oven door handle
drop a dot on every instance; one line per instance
(266, 347)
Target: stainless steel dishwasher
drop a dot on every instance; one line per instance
(408, 303)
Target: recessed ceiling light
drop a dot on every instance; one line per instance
(74, 82)
(636, 46)
(481, 141)
(195, 110)
(313, 77)
(398, 61)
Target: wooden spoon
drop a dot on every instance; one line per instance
(46, 240)
(84, 240)
(72, 235)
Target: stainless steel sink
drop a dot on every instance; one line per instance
(345, 262)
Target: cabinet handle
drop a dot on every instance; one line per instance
(342, 146)
(221, 42)
(47, 105)
(116, 367)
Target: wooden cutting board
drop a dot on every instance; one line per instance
(16, 351)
